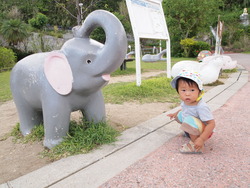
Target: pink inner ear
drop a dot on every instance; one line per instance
(58, 72)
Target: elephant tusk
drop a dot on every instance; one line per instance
(106, 77)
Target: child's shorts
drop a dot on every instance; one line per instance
(190, 124)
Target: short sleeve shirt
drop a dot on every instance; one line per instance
(200, 111)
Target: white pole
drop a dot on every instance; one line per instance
(129, 46)
(160, 46)
(218, 37)
(138, 60)
(168, 59)
(81, 4)
(217, 44)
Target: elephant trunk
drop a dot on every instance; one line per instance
(115, 48)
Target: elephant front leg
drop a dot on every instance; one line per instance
(56, 125)
(95, 109)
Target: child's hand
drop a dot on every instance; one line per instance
(172, 115)
(199, 143)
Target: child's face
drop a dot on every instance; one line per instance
(188, 93)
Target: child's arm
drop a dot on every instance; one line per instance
(199, 142)
(173, 115)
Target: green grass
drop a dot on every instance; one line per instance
(230, 70)
(5, 93)
(152, 90)
(216, 83)
(146, 66)
(36, 135)
(128, 71)
(83, 136)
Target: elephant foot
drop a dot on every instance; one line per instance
(50, 143)
(26, 131)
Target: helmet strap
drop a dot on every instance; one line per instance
(201, 95)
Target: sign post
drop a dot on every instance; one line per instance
(148, 21)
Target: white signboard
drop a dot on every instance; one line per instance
(148, 21)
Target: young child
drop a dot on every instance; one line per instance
(195, 116)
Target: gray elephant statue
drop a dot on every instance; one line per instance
(47, 87)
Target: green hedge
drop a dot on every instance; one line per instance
(199, 46)
(192, 47)
(21, 54)
(7, 58)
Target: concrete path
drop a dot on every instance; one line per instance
(147, 155)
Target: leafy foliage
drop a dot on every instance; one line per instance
(192, 47)
(187, 45)
(235, 35)
(187, 18)
(14, 31)
(232, 4)
(39, 21)
(197, 47)
(7, 58)
(21, 54)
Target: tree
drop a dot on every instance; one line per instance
(14, 31)
(63, 13)
(191, 16)
(39, 21)
(74, 10)
(188, 18)
(28, 8)
(231, 4)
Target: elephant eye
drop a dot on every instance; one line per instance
(88, 61)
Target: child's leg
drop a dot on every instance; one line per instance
(179, 117)
(193, 127)
(179, 120)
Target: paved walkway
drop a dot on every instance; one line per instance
(147, 155)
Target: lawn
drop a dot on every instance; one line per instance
(5, 93)
(146, 66)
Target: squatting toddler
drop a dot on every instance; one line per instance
(195, 116)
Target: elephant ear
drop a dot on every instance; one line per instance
(58, 72)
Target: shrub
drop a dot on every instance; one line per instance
(21, 54)
(192, 47)
(99, 35)
(236, 38)
(7, 58)
(197, 47)
(187, 44)
(39, 21)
